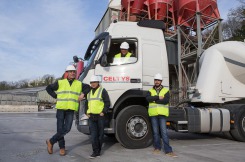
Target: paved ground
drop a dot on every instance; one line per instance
(23, 135)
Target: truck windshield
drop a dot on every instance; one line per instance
(94, 45)
(92, 50)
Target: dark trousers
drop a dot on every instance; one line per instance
(159, 127)
(64, 124)
(96, 126)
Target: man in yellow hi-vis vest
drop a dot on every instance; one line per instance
(68, 93)
(98, 104)
(124, 51)
(158, 98)
(124, 55)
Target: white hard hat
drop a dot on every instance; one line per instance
(124, 45)
(158, 76)
(70, 68)
(94, 78)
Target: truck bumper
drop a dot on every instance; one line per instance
(83, 127)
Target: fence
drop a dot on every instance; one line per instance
(17, 103)
(11, 99)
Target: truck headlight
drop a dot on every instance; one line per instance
(83, 122)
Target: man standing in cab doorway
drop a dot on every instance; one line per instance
(158, 98)
(68, 93)
(98, 105)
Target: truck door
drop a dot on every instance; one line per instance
(155, 61)
(121, 73)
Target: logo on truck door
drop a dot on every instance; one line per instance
(116, 79)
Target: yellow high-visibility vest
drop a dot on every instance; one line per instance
(158, 109)
(67, 95)
(95, 101)
(119, 55)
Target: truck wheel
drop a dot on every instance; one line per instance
(228, 135)
(110, 135)
(133, 129)
(238, 133)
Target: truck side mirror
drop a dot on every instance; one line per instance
(75, 59)
(107, 43)
(103, 61)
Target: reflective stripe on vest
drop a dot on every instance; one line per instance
(67, 95)
(158, 109)
(119, 55)
(95, 101)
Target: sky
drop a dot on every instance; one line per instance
(39, 37)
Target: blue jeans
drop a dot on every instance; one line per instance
(96, 126)
(64, 124)
(159, 126)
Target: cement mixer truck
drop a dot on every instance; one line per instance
(216, 102)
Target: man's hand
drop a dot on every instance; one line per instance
(101, 114)
(81, 97)
(161, 97)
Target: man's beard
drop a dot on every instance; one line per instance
(157, 85)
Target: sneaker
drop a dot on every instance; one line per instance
(94, 156)
(171, 154)
(62, 152)
(49, 146)
(156, 151)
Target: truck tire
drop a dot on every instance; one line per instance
(133, 128)
(110, 135)
(238, 133)
(228, 135)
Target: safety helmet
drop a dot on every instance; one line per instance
(94, 78)
(70, 68)
(124, 45)
(158, 76)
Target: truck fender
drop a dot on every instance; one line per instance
(130, 97)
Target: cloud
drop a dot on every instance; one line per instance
(40, 37)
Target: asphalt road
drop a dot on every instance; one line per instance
(23, 135)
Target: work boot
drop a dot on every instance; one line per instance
(62, 152)
(172, 154)
(49, 146)
(156, 151)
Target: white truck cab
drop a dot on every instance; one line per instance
(147, 46)
(212, 107)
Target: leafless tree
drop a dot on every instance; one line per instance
(242, 1)
(235, 21)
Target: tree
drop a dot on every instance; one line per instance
(234, 27)
(23, 84)
(43, 81)
(242, 1)
(4, 85)
(48, 79)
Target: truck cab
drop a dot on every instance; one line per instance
(127, 82)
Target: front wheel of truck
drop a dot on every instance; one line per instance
(133, 128)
